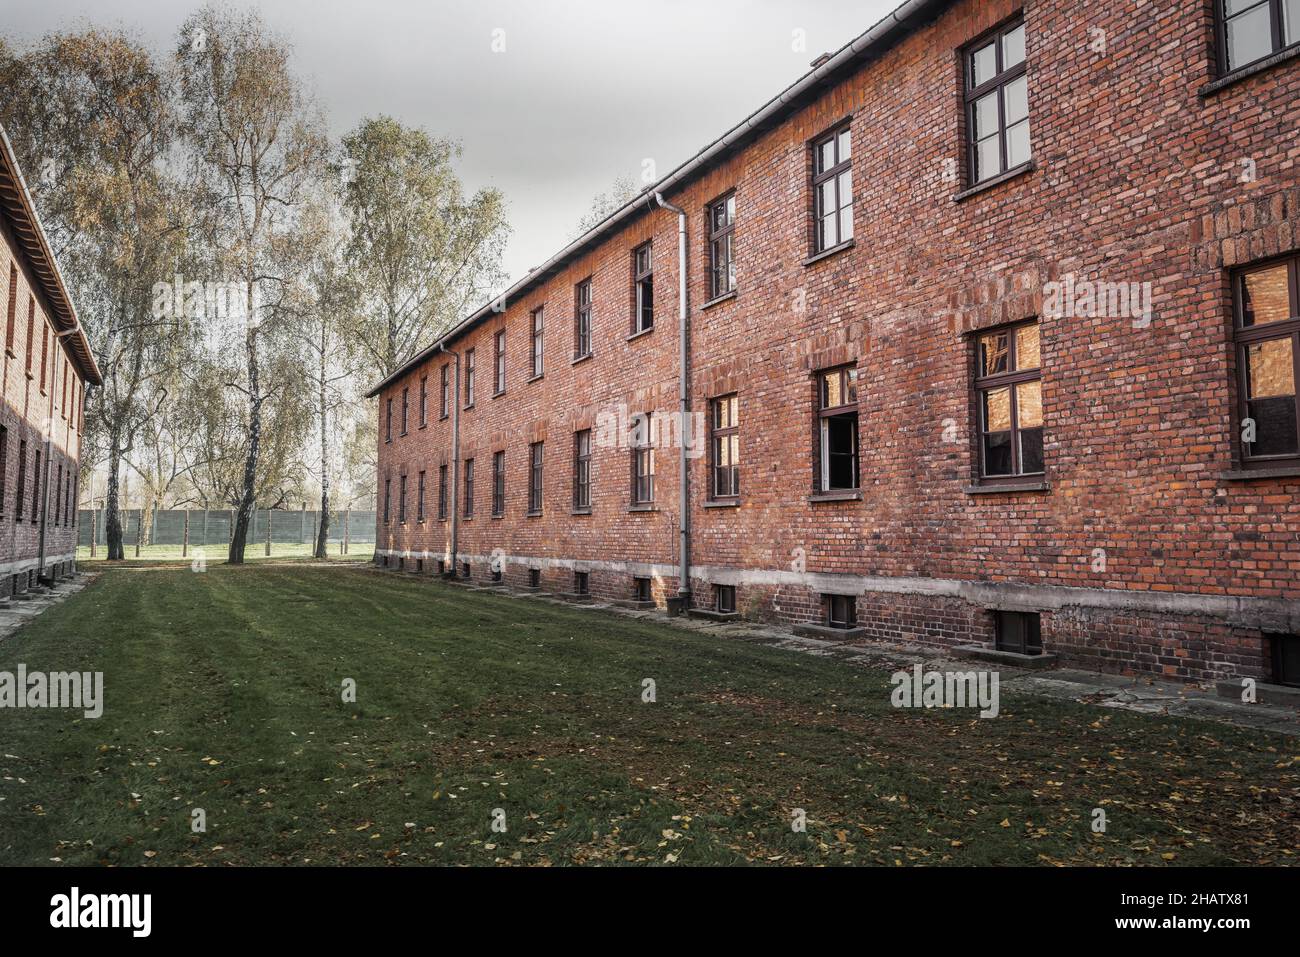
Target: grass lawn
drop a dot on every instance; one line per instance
(223, 692)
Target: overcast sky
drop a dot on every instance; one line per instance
(584, 92)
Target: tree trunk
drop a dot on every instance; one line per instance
(322, 532)
(239, 536)
(112, 512)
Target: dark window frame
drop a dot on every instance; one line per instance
(724, 599)
(406, 410)
(582, 309)
(443, 474)
(643, 461)
(468, 471)
(840, 611)
(424, 400)
(444, 397)
(388, 419)
(1020, 632)
(401, 499)
(1244, 336)
(642, 589)
(1011, 380)
(419, 499)
(823, 174)
(1281, 674)
(848, 380)
(1278, 44)
(499, 362)
(388, 499)
(537, 342)
(582, 470)
(469, 378)
(643, 289)
(498, 483)
(536, 491)
(729, 490)
(581, 582)
(722, 245)
(973, 93)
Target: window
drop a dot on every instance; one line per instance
(45, 352)
(469, 488)
(469, 378)
(1286, 659)
(722, 262)
(534, 578)
(643, 290)
(837, 416)
(58, 489)
(582, 470)
(401, 500)
(388, 418)
(36, 486)
(4, 465)
(1018, 631)
(419, 500)
(841, 611)
(643, 461)
(641, 589)
(997, 103)
(725, 448)
(1009, 390)
(70, 513)
(1250, 30)
(499, 362)
(832, 190)
(13, 306)
(582, 319)
(498, 483)
(1267, 335)
(464, 570)
(31, 334)
(404, 410)
(537, 343)
(442, 493)
(445, 395)
(581, 583)
(424, 401)
(724, 598)
(388, 494)
(535, 478)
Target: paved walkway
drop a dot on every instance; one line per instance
(15, 612)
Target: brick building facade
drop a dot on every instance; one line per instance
(47, 366)
(992, 338)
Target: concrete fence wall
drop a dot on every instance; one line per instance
(213, 526)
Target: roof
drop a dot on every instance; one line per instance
(903, 21)
(16, 202)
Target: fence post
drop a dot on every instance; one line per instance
(347, 528)
(268, 533)
(94, 521)
(205, 527)
(139, 527)
(185, 536)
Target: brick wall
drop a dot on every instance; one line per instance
(1136, 179)
(42, 411)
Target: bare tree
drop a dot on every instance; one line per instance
(257, 145)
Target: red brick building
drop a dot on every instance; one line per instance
(47, 365)
(992, 337)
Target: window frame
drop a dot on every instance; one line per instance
(444, 396)
(499, 363)
(536, 489)
(582, 310)
(1279, 43)
(643, 279)
(643, 462)
(443, 473)
(401, 499)
(582, 471)
(718, 434)
(388, 419)
(388, 497)
(406, 410)
(537, 342)
(498, 483)
(1031, 638)
(973, 93)
(825, 413)
(424, 400)
(724, 237)
(819, 176)
(724, 599)
(1010, 380)
(849, 603)
(419, 499)
(468, 470)
(1244, 336)
(469, 378)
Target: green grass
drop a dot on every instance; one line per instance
(223, 692)
(255, 551)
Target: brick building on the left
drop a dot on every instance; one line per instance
(47, 364)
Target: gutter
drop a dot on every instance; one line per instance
(891, 26)
(453, 473)
(683, 405)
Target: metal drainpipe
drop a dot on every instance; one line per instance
(453, 472)
(683, 406)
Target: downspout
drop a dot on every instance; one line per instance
(453, 473)
(683, 407)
